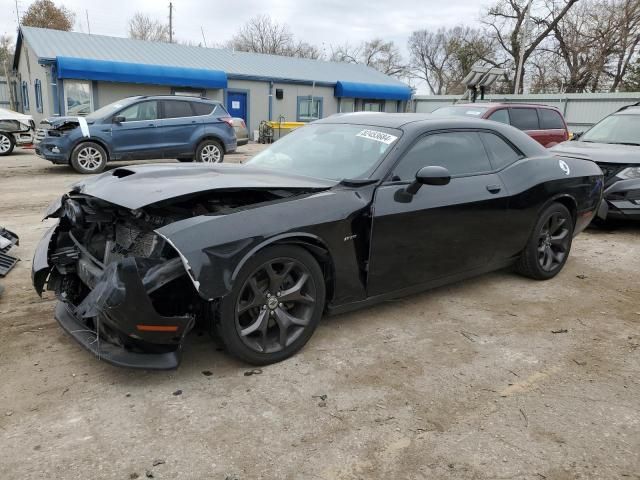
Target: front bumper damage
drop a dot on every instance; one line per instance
(621, 201)
(108, 308)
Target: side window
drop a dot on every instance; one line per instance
(202, 108)
(501, 153)
(462, 153)
(220, 110)
(550, 119)
(501, 116)
(177, 109)
(140, 111)
(524, 118)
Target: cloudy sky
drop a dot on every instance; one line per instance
(321, 22)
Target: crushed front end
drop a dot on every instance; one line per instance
(123, 292)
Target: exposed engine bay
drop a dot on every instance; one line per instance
(112, 268)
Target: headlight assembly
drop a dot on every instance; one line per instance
(629, 173)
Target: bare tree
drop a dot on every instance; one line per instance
(506, 23)
(45, 14)
(627, 27)
(442, 58)
(263, 35)
(6, 51)
(143, 27)
(383, 56)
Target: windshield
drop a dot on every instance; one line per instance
(108, 109)
(462, 111)
(622, 128)
(333, 151)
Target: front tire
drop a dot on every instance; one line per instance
(548, 247)
(274, 307)
(7, 144)
(88, 157)
(209, 151)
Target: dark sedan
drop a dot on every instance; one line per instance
(342, 213)
(614, 144)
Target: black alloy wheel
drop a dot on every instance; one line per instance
(548, 247)
(278, 301)
(553, 242)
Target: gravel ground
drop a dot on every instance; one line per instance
(462, 382)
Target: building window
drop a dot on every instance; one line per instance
(188, 92)
(308, 109)
(373, 105)
(38, 89)
(78, 97)
(25, 96)
(347, 105)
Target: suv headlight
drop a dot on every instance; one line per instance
(629, 173)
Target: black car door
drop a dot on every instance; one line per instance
(442, 230)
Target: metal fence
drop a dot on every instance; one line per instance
(581, 110)
(4, 93)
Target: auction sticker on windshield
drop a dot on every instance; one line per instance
(377, 136)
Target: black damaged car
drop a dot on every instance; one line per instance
(614, 144)
(340, 214)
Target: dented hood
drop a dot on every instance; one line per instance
(138, 186)
(57, 122)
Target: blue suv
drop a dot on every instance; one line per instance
(138, 128)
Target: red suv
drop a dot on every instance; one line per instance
(543, 123)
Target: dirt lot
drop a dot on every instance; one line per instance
(467, 381)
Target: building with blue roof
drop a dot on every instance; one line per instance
(72, 73)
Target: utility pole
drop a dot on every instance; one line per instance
(203, 39)
(170, 22)
(523, 44)
(88, 25)
(17, 14)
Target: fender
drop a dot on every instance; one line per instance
(214, 248)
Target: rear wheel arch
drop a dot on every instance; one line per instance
(569, 202)
(215, 138)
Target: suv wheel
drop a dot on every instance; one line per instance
(209, 151)
(6, 144)
(88, 157)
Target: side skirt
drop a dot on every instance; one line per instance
(438, 282)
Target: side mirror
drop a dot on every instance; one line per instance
(433, 175)
(576, 136)
(119, 119)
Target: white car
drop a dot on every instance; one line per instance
(15, 129)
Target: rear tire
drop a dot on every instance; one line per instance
(275, 305)
(7, 144)
(88, 158)
(209, 151)
(548, 247)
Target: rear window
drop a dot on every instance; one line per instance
(501, 116)
(177, 109)
(202, 108)
(524, 118)
(221, 111)
(550, 119)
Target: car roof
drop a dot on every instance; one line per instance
(376, 119)
(501, 104)
(172, 97)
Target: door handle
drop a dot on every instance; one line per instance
(151, 125)
(494, 188)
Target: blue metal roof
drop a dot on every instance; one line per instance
(125, 72)
(373, 91)
(48, 44)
